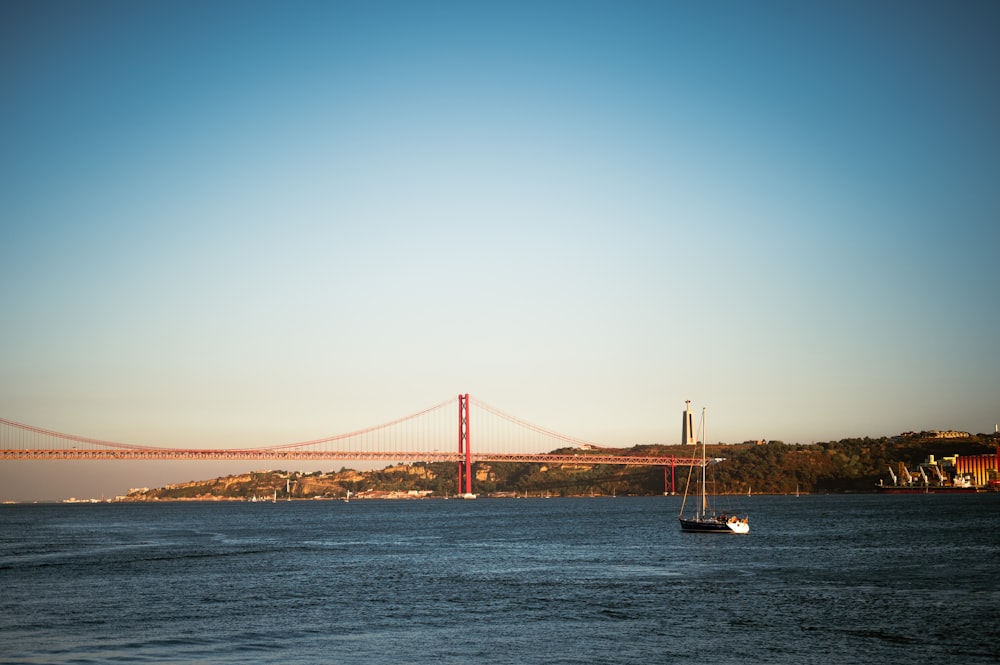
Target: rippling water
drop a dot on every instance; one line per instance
(820, 579)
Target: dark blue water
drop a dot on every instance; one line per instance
(820, 579)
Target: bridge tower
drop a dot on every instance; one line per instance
(464, 447)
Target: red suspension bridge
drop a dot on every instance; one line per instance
(425, 436)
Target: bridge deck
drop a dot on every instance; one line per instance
(268, 454)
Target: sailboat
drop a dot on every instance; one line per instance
(704, 519)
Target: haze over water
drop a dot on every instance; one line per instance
(819, 579)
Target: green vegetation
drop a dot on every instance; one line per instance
(848, 465)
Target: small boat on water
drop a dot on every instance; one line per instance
(704, 518)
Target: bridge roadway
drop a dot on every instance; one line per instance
(317, 455)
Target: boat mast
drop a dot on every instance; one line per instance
(704, 438)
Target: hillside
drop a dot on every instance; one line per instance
(849, 465)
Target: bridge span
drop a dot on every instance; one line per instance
(207, 454)
(420, 437)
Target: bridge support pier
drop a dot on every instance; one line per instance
(464, 447)
(668, 485)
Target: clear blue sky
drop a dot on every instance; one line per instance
(259, 222)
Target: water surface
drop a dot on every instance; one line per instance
(820, 579)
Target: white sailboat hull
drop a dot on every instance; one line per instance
(740, 527)
(714, 525)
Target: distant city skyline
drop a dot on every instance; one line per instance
(275, 222)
